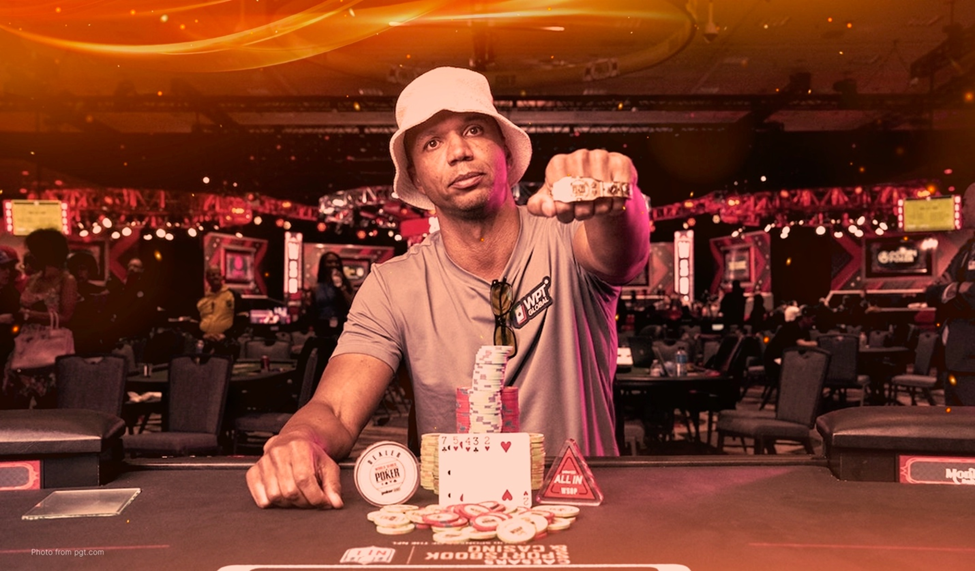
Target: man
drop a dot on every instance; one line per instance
(132, 306)
(733, 305)
(954, 296)
(792, 334)
(217, 312)
(432, 307)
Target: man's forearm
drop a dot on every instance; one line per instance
(317, 421)
(619, 242)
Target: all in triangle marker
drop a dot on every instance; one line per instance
(569, 480)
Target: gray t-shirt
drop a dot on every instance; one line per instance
(425, 309)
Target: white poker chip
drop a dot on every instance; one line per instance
(387, 473)
(539, 521)
(516, 530)
(399, 508)
(398, 530)
(482, 535)
(451, 536)
(386, 519)
(559, 524)
(489, 521)
(440, 518)
(561, 510)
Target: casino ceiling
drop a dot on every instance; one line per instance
(294, 99)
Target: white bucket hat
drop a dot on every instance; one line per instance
(450, 89)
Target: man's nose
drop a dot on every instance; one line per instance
(458, 148)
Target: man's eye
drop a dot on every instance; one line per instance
(431, 144)
(475, 130)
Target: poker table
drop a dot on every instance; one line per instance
(666, 513)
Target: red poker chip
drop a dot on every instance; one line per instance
(471, 511)
(493, 505)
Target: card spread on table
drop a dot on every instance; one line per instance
(482, 467)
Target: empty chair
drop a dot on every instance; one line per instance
(725, 354)
(921, 377)
(842, 375)
(126, 351)
(667, 348)
(800, 391)
(708, 348)
(92, 383)
(878, 338)
(246, 427)
(284, 336)
(198, 388)
(276, 349)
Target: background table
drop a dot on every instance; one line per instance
(779, 513)
(636, 388)
(251, 387)
(880, 364)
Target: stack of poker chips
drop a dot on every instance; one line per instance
(487, 406)
(430, 461)
(429, 464)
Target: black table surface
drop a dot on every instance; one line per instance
(724, 514)
(244, 371)
(640, 378)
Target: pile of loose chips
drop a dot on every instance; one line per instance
(430, 466)
(462, 523)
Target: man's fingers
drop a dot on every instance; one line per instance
(541, 204)
(295, 474)
(331, 480)
(256, 487)
(584, 210)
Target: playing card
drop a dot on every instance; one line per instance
(481, 467)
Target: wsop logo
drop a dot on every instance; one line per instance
(936, 470)
(530, 306)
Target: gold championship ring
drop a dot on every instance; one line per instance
(577, 189)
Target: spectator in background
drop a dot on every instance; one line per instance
(733, 305)
(9, 301)
(132, 307)
(333, 296)
(758, 316)
(91, 321)
(825, 319)
(51, 290)
(793, 333)
(217, 315)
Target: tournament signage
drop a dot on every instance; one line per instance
(898, 257)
